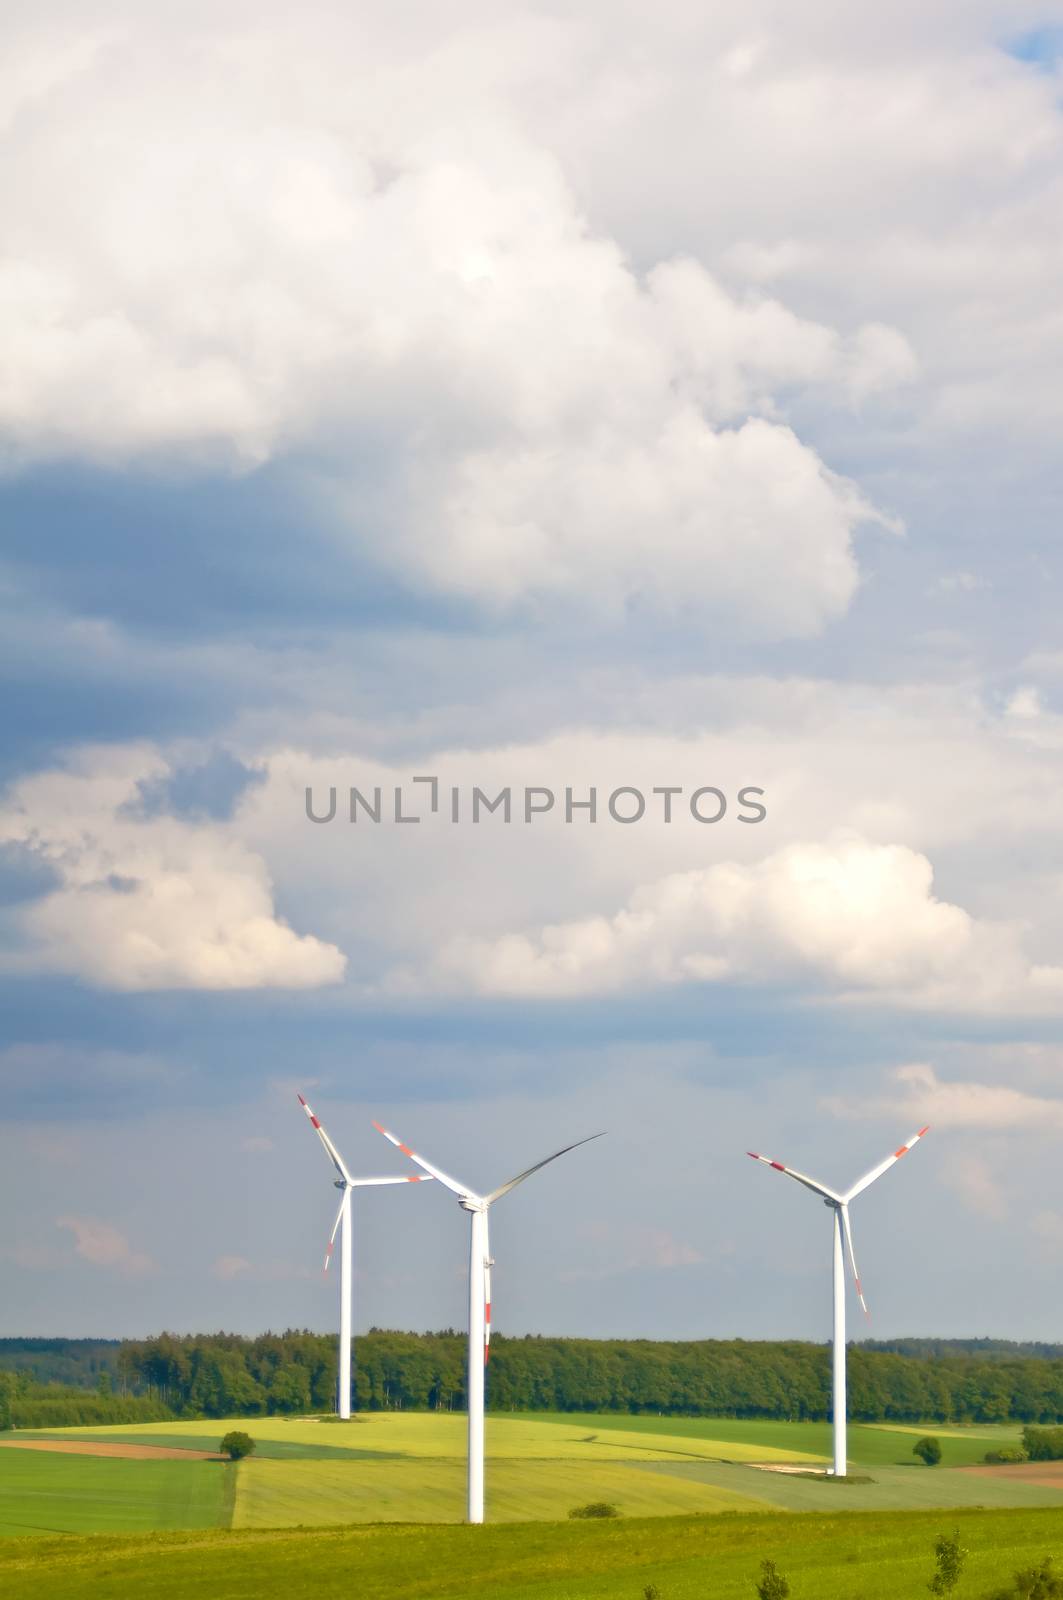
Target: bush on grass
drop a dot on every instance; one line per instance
(771, 1584)
(1033, 1583)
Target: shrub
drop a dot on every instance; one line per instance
(236, 1445)
(951, 1559)
(928, 1450)
(771, 1584)
(596, 1508)
(651, 1592)
(1008, 1454)
(1043, 1444)
(1033, 1583)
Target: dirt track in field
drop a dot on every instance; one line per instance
(100, 1447)
(1048, 1473)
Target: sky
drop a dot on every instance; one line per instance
(544, 401)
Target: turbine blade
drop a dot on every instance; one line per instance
(876, 1172)
(335, 1230)
(433, 1172)
(330, 1149)
(487, 1293)
(848, 1231)
(512, 1184)
(799, 1177)
(369, 1183)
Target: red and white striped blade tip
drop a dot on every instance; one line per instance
(309, 1111)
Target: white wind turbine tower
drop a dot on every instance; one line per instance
(345, 1183)
(839, 1205)
(480, 1264)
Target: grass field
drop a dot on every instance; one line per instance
(846, 1557)
(409, 1467)
(42, 1494)
(319, 1494)
(869, 1444)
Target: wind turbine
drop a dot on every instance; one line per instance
(345, 1183)
(839, 1204)
(480, 1264)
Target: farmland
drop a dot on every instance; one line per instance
(409, 1467)
(876, 1556)
(377, 1503)
(47, 1494)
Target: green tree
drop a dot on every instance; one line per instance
(290, 1389)
(928, 1450)
(771, 1585)
(236, 1445)
(951, 1559)
(1043, 1444)
(7, 1386)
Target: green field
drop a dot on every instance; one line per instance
(878, 1444)
(409, 1467)
(846, 1557)
(43, 1494)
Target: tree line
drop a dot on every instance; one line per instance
(27, 1403)
(223, 1374)
(230, 1375)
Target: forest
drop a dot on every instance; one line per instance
(224, 1374)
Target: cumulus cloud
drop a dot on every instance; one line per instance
(147, 901)
(497, 401)
(104, 1246)
(990, 1107)
(877, 799)
(852, 917)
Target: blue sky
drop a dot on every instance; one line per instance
(533, 400)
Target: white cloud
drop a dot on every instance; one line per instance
(104, 1246)
(148, 901)
(856, 918)
(989, 1107)
(303, 266)
(887, 865)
